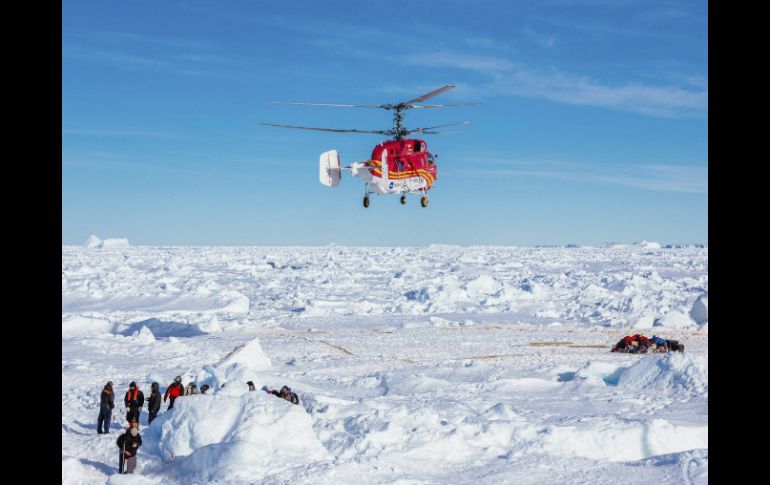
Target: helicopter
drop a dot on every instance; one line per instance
(399, 165)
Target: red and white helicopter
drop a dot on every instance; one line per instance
(398, 166)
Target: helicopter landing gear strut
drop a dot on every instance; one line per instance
(424, 201)
(403, 200)
(366, 201)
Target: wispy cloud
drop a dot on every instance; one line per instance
(518, 80)
(120, 133)
(659, 177)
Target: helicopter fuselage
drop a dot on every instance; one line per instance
(410, 167)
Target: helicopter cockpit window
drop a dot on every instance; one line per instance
(417, 146)
(430, 159)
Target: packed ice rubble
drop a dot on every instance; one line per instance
(635, 287)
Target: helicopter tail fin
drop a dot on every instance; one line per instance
(329, 170)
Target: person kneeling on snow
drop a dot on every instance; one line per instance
(190, 389)
(129, 444)
(666, 345)
(285, 393)
(632, 344)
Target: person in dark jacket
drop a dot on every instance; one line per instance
(251, 385)
(153, 402)
(204, 388)
(285, 393)
(175, 390)
(106, 404)
(129, 444)
(134, 402)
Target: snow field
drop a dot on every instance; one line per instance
(430, 365)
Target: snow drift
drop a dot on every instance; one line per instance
(673, 371)
(237, 434)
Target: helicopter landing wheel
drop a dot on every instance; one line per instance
(366, 201)
(424, 201)
(403, 200)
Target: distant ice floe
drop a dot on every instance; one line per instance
(94, 242)
(649, 245)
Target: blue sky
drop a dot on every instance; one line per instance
(593, 125)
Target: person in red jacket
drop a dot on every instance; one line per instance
(175, 390)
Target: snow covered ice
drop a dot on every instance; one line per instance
(442, 364)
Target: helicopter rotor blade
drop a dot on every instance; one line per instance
(377, 132)
(425, 129)
(327, 104)
(451, 132)
(430, 94)
(443, 105)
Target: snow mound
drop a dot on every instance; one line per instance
(79, 326)
(74, 472)
(482, 286)
(133, 479)
(600, 372)
(675, 319)
(144, 336)
(700, 309)
(242, 364)
(645, 321)
(621, 440)
(239, 434)
(673, 371)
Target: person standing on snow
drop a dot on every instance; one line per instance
(153, 403)
(134, 402)
(106, 404)
(175, 390)
(129, 444)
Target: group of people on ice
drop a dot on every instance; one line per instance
(639, 344)
(130, 441)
